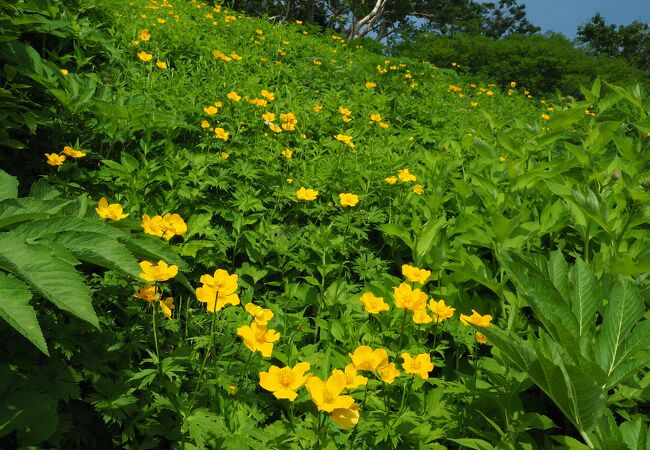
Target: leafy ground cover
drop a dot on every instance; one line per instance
(219, 232)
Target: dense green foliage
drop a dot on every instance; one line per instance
(531, 212)
(542, 63)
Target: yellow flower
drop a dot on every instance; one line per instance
(327, 394)
(234, 96)
(166, 226)
(407, 298)
(221, 134)
(218, 290)
(72, 153)
(318, 108)
(298, 22)
(224, 155)
(347, 140)
(346, 417)
(259, 102)
(389, 373)
(167, 305)
(287, 153)
(418, 189)
(218, 104)
(160, 20)
(372, 304)
(406, 176)
(55, 160)
(106, 211)
(502, 158)
(316, 62)
(267, 95)
(260, 315)
(220, 55)
(476, 319)
(545, 117)
(513, 84)
(415, 275)
(258, 31)
(352, 379)
(481, 338)
(205, 124)
(346, 119)
(161, 64)
(489, 93)
(375, 117)
(348, 199)
(275, 128)
(157, 272)
(144, 56)
(383, 125)
(391, 180)
(232, 389)
(235, 56)
(144, 35)
(370, 85)
(440, 310)
(257, 338)
(421, 365)
(474, 104)
(306, 194)
(365, 358)
(210, 110)
(268, 116)
(289, 180)
(65, 71)
(421, 317)
(147, 293)
(284, 382)
(345, 111)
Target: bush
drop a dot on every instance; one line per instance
(541, 63)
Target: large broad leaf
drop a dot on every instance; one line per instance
(634, 356)
(8, 186)
(47, 274)
(586, 297)
(148, 247)
(624, 310)
(99, 249)
(426, 238)
(17, 312)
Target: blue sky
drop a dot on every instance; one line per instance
(564, 16)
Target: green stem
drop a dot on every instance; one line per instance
(155, 337)
(207, 353)
(404, 392)
(401, 332)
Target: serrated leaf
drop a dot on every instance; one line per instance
(17, 312)
(8, 186)
(48, 275)
(625, 308)
(585, 296)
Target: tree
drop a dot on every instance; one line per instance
(631, 42)
(505, 18)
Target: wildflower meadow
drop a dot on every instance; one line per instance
(220, 231)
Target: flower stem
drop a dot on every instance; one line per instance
(401, 332)
(155, 337)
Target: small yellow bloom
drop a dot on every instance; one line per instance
(365, 358)
(406, 176)
(235, 56)
(421, 317)
(415, 275)
(157, 272)
(161, 21)
(106, 211)
(306, 194)
(144, 56)
(287, 153)
(346, 119)
(55, 160)
(348, 199)
(513, 84)
(347, 140)
(257, 338)
(232, 389)
(545, 117)
(440, 311)
(147, 293)
(267, 95)
(476, 319)
(268, 116)
(489, 93)
(161, 64)
(316, 62)
(289, 180)
(221, 134)
(345, 111)
(346, 417)
(72, 153)
(391, 180)
(259, 102)
(474, 104)
(370, 85)
(144, 35)
(389, 373)
(298, 22)
(372, 304)
(383, 125)
(275, 128)
(218, 290)
(318, 108)
(407, 298)
(421, 365)
(481, 338)
(205, 124)
(234, 96)
(260, 315)
(375, 117)
(327, 394)
(65, 71)
(210, 110)
(502, 158)
(352, 379)
(224, 155)
(167, 305)
(418, 189)
(284, 382)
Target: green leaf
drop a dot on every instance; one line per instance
(635, 354)
(426, 238)
(625, 308)
(8, 186)
(17, 312)
(393, 229)
(49, 275)
(585, 296)
(203, 426)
